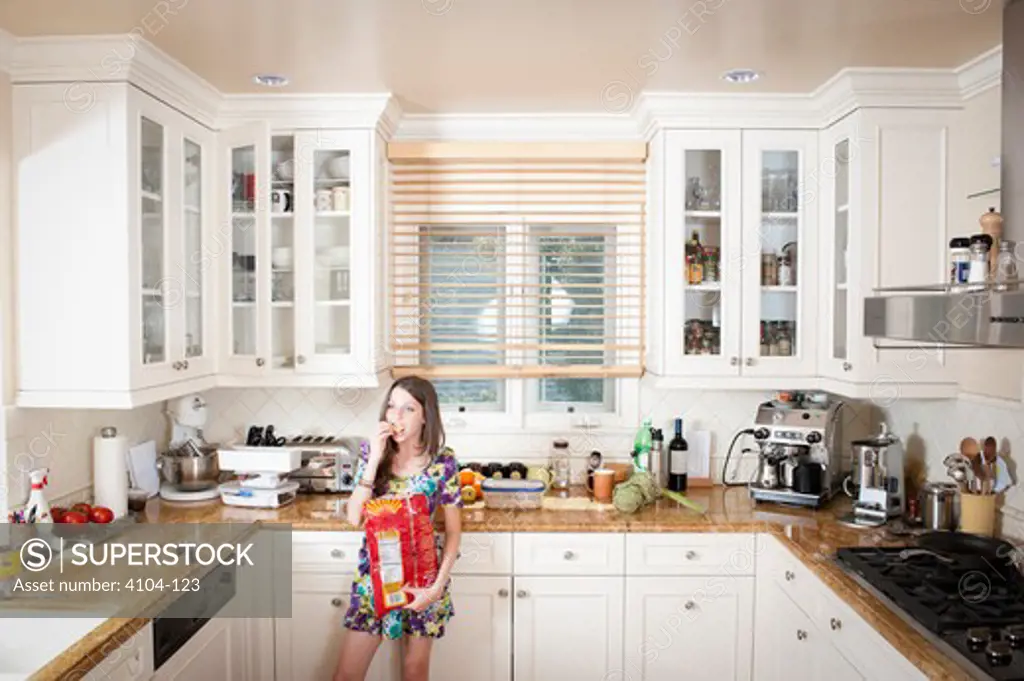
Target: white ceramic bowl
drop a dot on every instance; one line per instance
(285, 170)
(335, 256)
(337, 168)
(281, 257)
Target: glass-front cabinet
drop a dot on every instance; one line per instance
(779, 226)
(302, 247)
(174, 256)
(738, 215)
(702, 236)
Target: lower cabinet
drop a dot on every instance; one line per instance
(307, 644)
(215, 653)
(567, 628)
(689, 627)
(477, 643)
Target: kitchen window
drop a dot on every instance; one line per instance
(516, 284)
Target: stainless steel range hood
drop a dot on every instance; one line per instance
(981, 316)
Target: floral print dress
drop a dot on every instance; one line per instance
(440, 483)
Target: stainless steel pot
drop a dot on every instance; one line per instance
(190, 473)
(939, 503)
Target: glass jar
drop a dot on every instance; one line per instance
(785, 343)
(1006, 267)
(711, 265)
(978, 271)
(959, 260)
(560, 472)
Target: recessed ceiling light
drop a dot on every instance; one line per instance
(741, 76)
(270, 79)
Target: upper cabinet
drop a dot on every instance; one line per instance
(301, 268)
(733, 236)
(115, 267)
(883, 184)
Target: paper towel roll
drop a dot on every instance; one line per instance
(109, 472)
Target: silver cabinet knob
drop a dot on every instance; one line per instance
(176, 366)
(569, 555)
(733, 361)
(521, 593)
(301, 359)
(749, 361)
(259, 361)
(801, 635)
(184, 365)
(336, 602)
(690, 605)
(847, 366)
(836, 624)
(337, 553)
(691, 555)
(790, 576)
(502, 593)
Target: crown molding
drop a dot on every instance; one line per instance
(292, 111)
(982, 73)
(663, 110)
(537, 127)
(390, 119)
(119, 58)
(859, 88)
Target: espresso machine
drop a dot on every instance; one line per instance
(876, 483)
(799, 457)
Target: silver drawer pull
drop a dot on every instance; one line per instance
(569, 555)
(790, 576)
(836, 624)
(801, 635)
(503, 593)
(521, 593)
(336, 602)
(337, 553)
(691, 555)
(690, 605)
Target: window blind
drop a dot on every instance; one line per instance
(517, 260)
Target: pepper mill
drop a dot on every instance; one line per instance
(992, 224)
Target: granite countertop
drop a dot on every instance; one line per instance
(811, 535)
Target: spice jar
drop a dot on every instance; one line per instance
(1006, 267)
(979, 267)
(560, 464)
(959, 259)
(769, 269)
(785, 271)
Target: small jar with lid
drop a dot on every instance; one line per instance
(560, 472)
(978, 271)
(1006, 267)
(959, 260)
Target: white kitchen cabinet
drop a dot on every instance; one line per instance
(210, 654)
(568, 628)
(302, 264)
(307, 644)
(795, 612)
(731, 212)
(482, 624)
(115, 261)
(694, 627)
(131, 661)
(883, 182)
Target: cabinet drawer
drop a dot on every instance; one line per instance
(132, 661)
(777, 564)
(662, 553)
(484, 553)
(328, 551)
(565, 553)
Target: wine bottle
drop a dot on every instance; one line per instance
(677, 452)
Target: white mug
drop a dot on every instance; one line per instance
(323, 200)
(280, 201)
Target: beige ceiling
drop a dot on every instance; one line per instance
(529, 55)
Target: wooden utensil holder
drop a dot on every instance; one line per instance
(978, 514)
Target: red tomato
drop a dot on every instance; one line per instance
(74, 517)
(57, 512)
(82, 508)
(101, 514)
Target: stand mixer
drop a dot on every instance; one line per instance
(189, 468)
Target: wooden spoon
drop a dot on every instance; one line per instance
(971, 451)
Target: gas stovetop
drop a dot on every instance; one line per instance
(969, 605)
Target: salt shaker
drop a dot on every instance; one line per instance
(979, 268)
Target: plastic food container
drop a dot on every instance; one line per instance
(513, 494)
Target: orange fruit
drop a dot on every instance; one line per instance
(466, 477)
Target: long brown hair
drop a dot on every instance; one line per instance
(431, 437)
